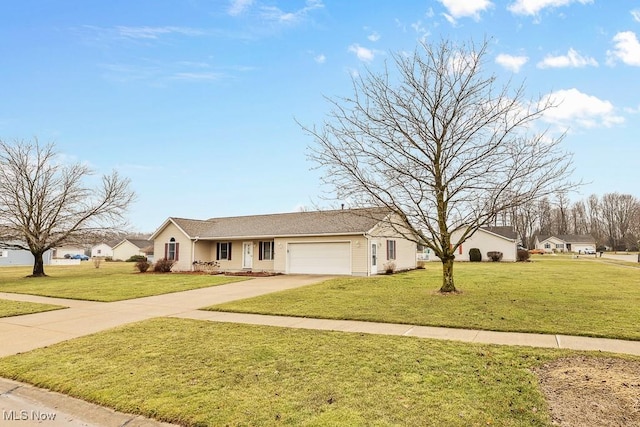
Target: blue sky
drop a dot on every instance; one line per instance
(196, 100)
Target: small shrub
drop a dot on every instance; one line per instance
(143, 266)
(108, 259)
(389, 267)
(475, 255)
(137, 258)
(523, 255)
(163, 265)
(495, 256)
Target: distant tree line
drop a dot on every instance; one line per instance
(612, 219)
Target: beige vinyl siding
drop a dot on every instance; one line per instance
(126, 250)
(265, 264)
(405, 249)
(184, 251)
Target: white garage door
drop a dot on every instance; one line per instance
(319, 258)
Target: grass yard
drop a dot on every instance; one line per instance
(18, 308)
(198, 373)
(559, 295)
(111, 282)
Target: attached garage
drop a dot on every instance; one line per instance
(319, 258)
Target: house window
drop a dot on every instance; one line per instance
(547, 245)
(171, 250)
(224, 251)
(265, 251)
(559, 245)
(391, 249)
(99, 251)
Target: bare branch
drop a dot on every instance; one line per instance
(440, 144)
(45, 203)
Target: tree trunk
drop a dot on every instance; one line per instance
(447, 275)
(38, 265)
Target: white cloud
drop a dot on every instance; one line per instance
(511, 62)
(374, 37)
(152, 33)
(197, 76)
(532, 7)
(320, 59)
(363, 54)
(627, 49)
(636, 15)
(465, 8)
(578, 110)
(272, 13)
(572, 59)
(422, 31)
(238, 7)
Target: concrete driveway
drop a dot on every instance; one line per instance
(620, 257)
(23, 333)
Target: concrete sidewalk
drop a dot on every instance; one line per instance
(22, 333)
(464, 335)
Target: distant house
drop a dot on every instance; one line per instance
(341, 242)
(488, 239)
(565, 242)
(103, 249)
(20, 257)
(127, 248)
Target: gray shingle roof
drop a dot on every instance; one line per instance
(343, 221)
(504, 231)
(141, 243)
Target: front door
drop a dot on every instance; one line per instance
(247, 255)
(374, 258)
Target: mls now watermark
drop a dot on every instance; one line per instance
(25, 415)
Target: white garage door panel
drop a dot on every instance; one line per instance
(320, 258)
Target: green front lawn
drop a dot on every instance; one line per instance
(559, 295)
(18, 308)
(111, 282)
(211, 374)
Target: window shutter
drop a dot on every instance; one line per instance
(388, 250)
(460, 249)
(229, 251)
(260, 251)
(166, 250)
(218, 251)
(176, 257)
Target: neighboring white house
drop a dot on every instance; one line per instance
(102, 250)
(565, 243)
(20, 257)
(488, 239)
(131, 247)
(342, 242)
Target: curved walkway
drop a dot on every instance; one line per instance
(23, 333)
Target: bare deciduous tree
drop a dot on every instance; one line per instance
(45, 203)
(619, 213)
(441, 145)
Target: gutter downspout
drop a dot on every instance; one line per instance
(193, 251)
(368, 243)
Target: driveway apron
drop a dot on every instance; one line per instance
(23, 333)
